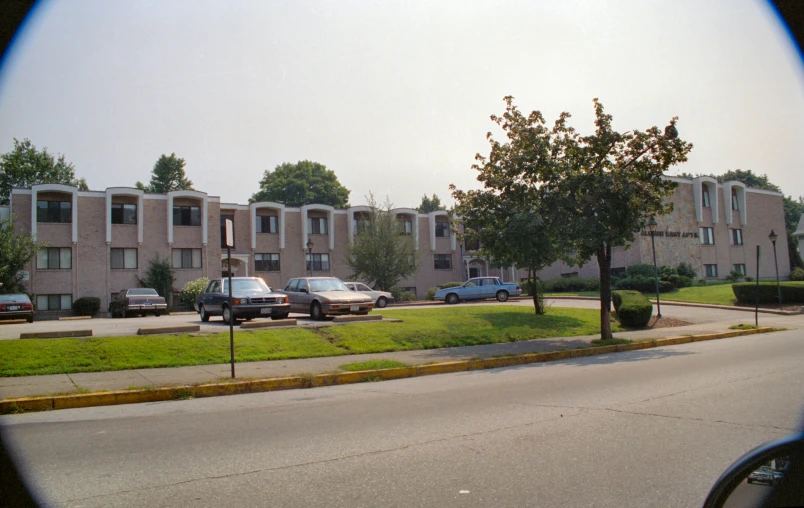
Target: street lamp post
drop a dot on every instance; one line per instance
(652, 226)
(773, 238)
(310, 255)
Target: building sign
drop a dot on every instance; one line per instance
(672, 234)
(26, 276)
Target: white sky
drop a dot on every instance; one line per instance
(394, 96)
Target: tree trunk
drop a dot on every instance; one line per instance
(534, 290)
(604, 264)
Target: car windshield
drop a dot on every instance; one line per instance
(327, 285)
(245, 285)
(142, 292)
(14, 298)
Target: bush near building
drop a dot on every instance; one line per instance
(633, 309)
(193, 289)
(797, 274)
(86, 306)
(792, 292)
(570, 284)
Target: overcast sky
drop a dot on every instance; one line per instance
(395, 97)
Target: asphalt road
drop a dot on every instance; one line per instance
(646, 428)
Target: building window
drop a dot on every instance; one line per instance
(362, 225)
(442, 261)
(123, 259)
(707, 236)
(186, 215)
(705, 195)
(569, 275)
(54, 211)
(317, 225)
(124, 213)
(736, 236)
(734, 205)
(54, 258)
(442, 229)
(617, 272)
(267, 224)
(54, 302)
(318, 262)
(739, 268)
(266, 262)
(223, 229)
(186, 258)
(710, 271)
(406, 226)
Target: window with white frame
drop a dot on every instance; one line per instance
(317, 262)
(739, 268)
(317, 225)
(266, 262)
(124, 213)
(407, 226)
(267, 223)
(123, 259)
(710, 271)
(707, 236)
(54, 258)
(442, 261)
(705, 196)
(54, 302)
(736, 236)
(442, 229)
(186, 258)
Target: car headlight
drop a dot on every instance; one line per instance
(241, 301)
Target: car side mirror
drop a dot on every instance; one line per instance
(770, 475)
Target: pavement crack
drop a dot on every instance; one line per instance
(693, 419)
(73, 382)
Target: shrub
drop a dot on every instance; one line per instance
(193, 289)
(792, 292)
(644, 284)
(406, 296)
(640, 270)
(685, 281)
(86, 306)
(617, 297)
(451, 285)
(567, 284)
(430, 295)
(749, 279)
(686, 270)
(734, 275)
(797, 274)
(667, 272)
(633, 309)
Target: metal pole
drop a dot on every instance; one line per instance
(231, 310)
(778, 284)
(656, 276)
(756, 294)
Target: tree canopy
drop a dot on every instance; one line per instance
(25, 166)
(430, 204)
(381, 254)
(167, 175)
(16, 249)
(302, 183)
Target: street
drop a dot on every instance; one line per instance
(645, 428)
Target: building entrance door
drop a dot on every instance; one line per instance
(473, 272)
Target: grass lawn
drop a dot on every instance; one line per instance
(716, 294)
(421, 329)
(595, 294)
(373, 365)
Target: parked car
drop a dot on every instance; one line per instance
(381, 298)
(16, 306)
(479, 288)
(137, 301)
(252, 298)
(765, 475)
(323, 296)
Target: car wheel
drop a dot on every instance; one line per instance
(452, 299)
(316, 312)
(281, 316)
(749, 481)
(157, 313)
(203, 312)
(502, 296)
(227, 315)
(29, 319)
(123, 313)
(382, 302)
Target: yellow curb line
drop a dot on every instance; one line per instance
(10, 406)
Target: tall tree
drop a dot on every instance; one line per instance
(381, 254)
(303, 183)
(431, 204)
(749, 178)
(167, 175)
(25, 166)
(16, 249)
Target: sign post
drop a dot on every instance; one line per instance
(756, 294)
(229, 245)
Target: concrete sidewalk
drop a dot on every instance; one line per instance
(16, 387)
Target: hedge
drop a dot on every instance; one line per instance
(640, 270)
(86, 306)
(643, 284)
(792, 292)
(567, 284)
(797, 274)
(617, 297)
(633, 309)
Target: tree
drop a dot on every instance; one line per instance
(167, 175)
(430, 204)
(300, 184)
(160, 277)
(748, 178)
(25, 166)
(381, 254)
(16, 250)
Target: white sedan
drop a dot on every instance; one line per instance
(381, 298)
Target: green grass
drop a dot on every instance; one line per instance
(373, 365)
(425, 328)
(614, 341)
(720, 294)
(742, 326)
(595, 294)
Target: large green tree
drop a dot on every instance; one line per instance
(25, 166)
(430, 204)
(167, 175)
(16, 250)
(381, 254)
(302, 183)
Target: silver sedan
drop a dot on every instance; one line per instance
(381, 298)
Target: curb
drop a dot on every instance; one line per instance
(268, 324)
(57, 334)
(356, 319)
(11, 406)
(169, 329)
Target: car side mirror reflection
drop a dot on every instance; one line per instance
(768, 476)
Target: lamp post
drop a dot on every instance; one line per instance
(652, 226)
(310, 255)
(773, 238)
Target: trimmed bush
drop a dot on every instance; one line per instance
(792, 292)
(86, 306)
(570, 284)
(640, 270)
(633, 310)
(451, 285)
(617, 297)
(797, 274)
(407, 296)
(644, 284)
(686, 270)
(430, 294)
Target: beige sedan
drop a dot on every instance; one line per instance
(325, 296)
